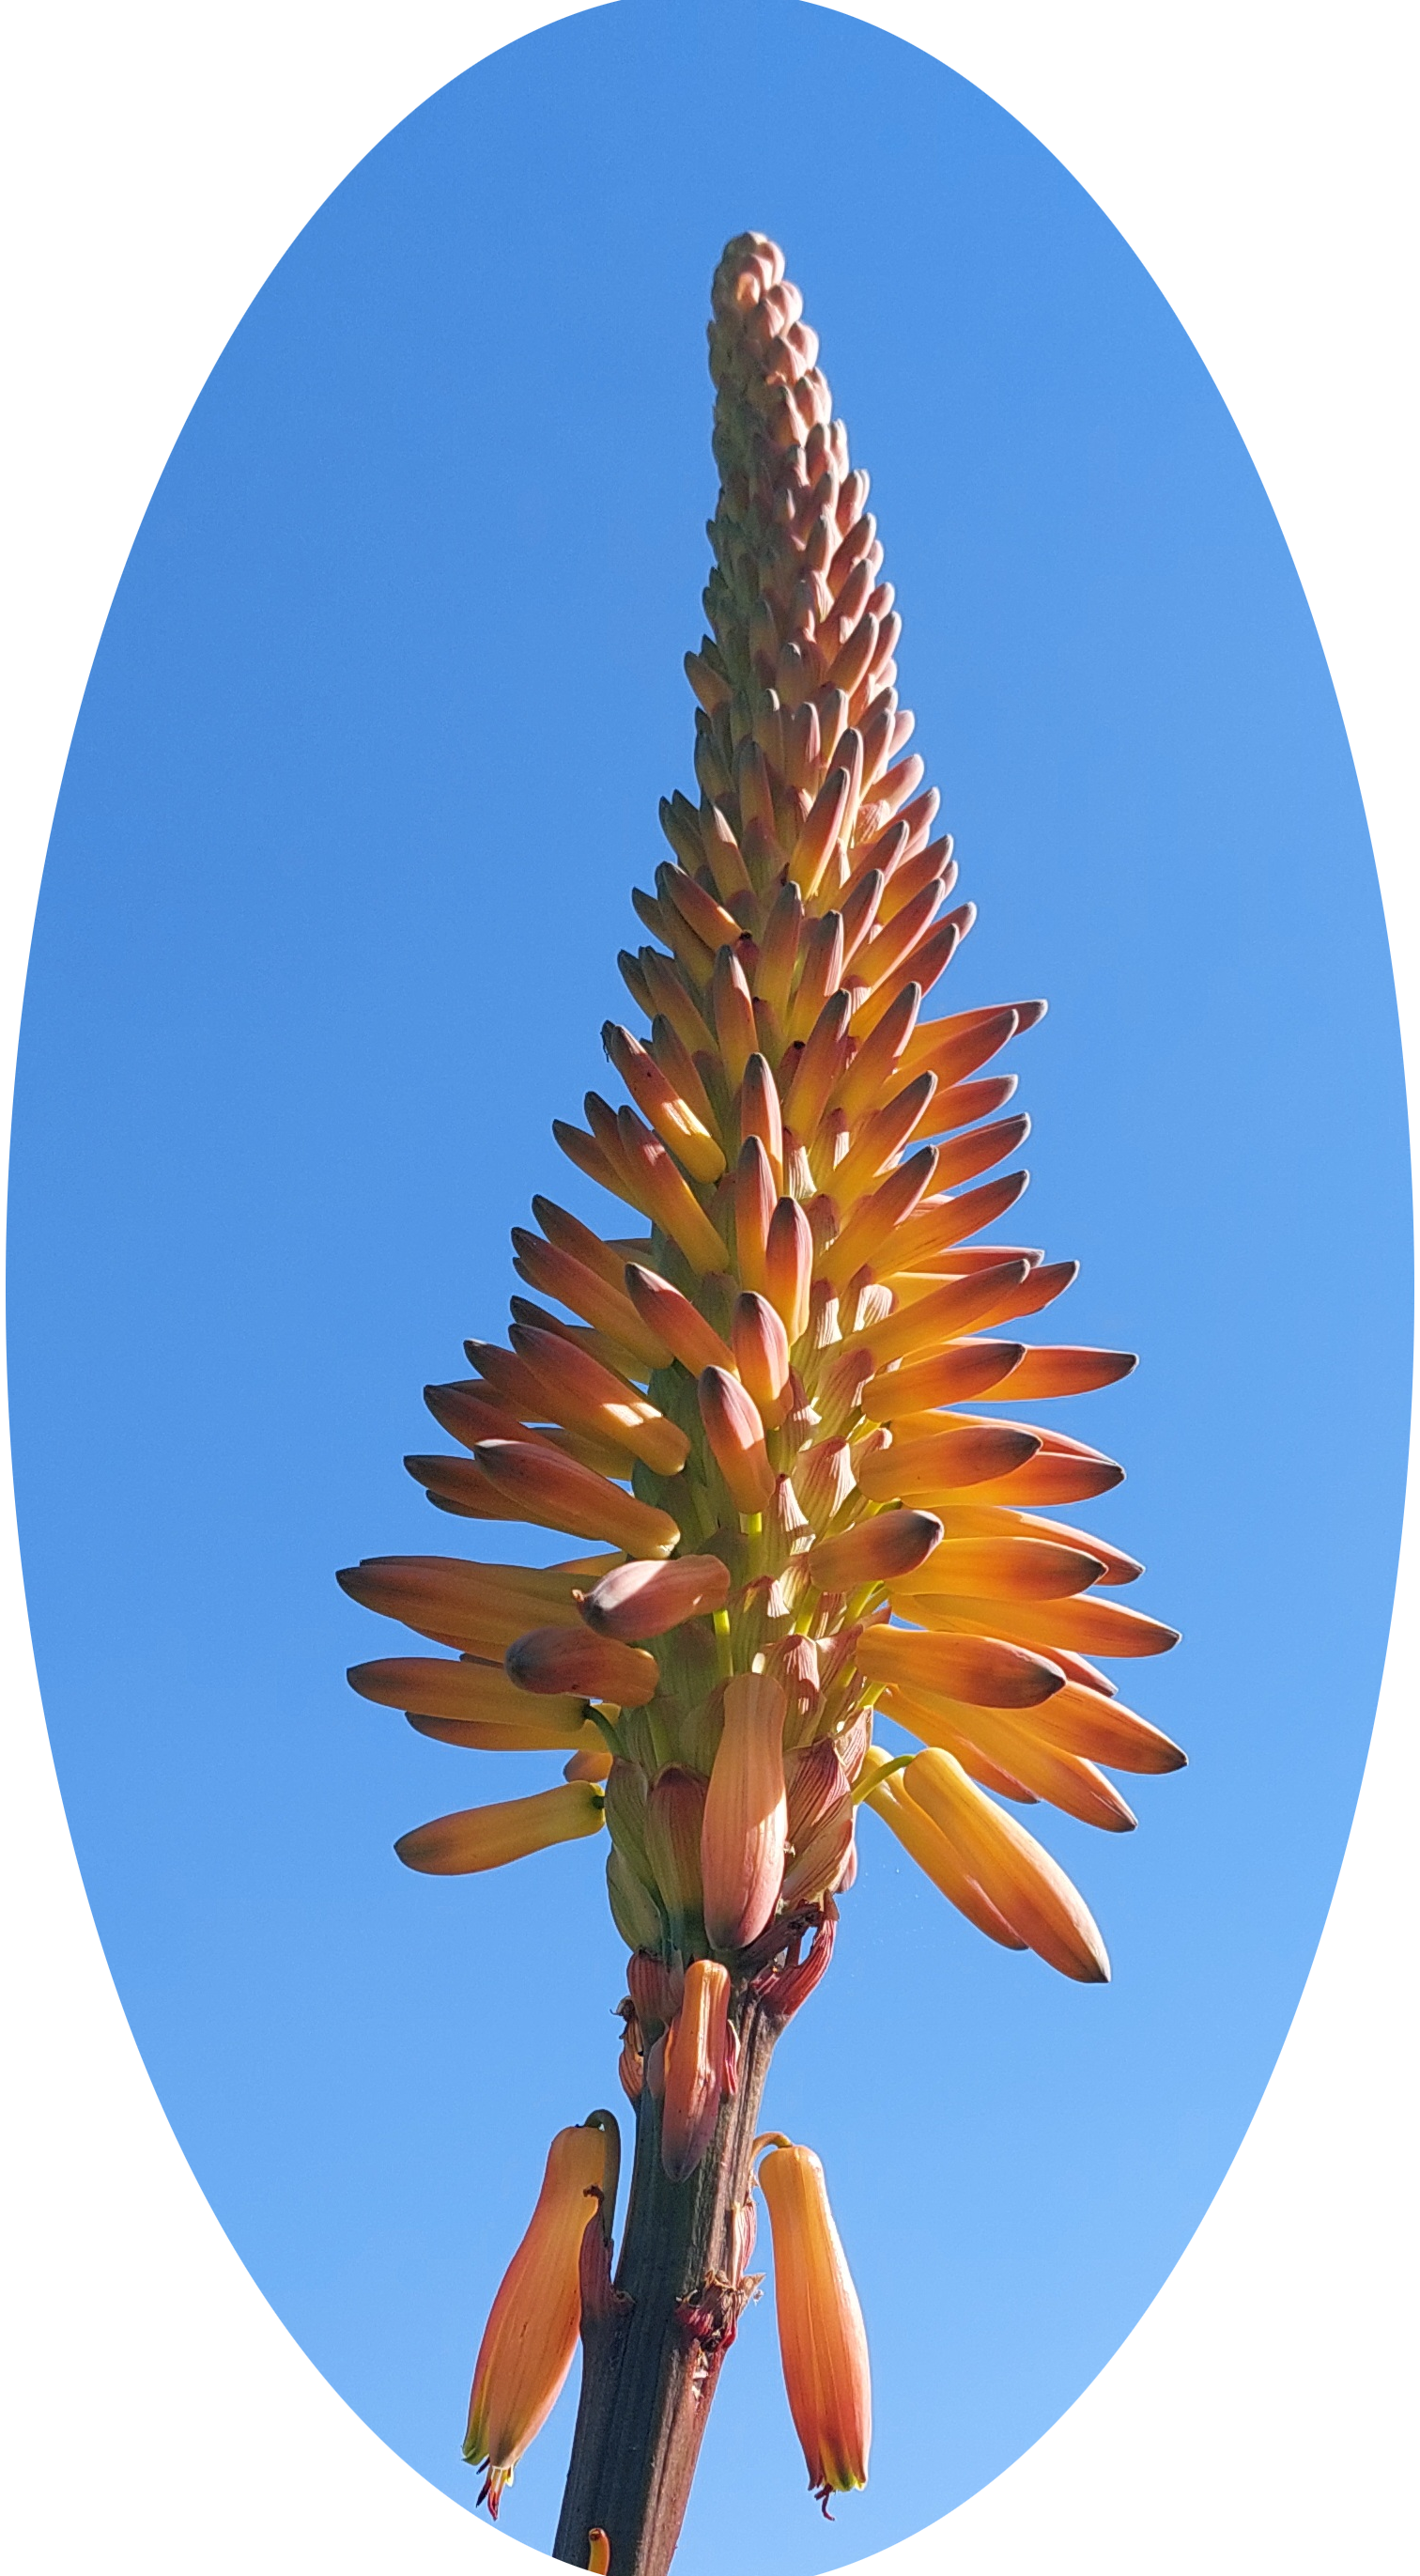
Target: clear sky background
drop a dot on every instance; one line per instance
(368, 762)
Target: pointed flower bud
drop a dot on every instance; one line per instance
(569, 1660)
(675, 1322)
(760, 1113)
(479, 1607)
(531, 2334)
(695, 2068)
(987, 1671)
(755, 1198)
(735, 1432)
(874, 1551)
(746, 1814)
(645, 1600)
(469, 1692)
(761, 1348)
(788, 1266)
(487, 1837)
(667, 1196)
(822, 2342)
(544, 1487)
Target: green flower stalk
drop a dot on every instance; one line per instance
(750, 1405)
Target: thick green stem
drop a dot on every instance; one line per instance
(652, 2344)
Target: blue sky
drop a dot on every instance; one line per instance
(367, 765)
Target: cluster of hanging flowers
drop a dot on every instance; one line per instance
(753, 1405)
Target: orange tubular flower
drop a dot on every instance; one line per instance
(822, 2342)
(696, 2064)
(741, 1397)
(531, 2334)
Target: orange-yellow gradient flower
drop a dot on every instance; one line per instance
(822, 2344)
(752, 1391)
(531, 2334)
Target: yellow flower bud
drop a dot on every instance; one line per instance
(487, 1837)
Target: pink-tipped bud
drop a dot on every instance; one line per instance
(666, 1195)
(788, 1266)
(822, 2343)
(755, 1196)
(675, 1322)
(866, 1236)
(761, 1348)
(736, 1435)
(891, 1543)
(760, 1114)
(746, 1814)
(644, 1600)
(695, 2068)
(544, 1486)
(734, 1014)
(569, 1660)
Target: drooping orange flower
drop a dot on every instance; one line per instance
(754, 1403)
(531, 2334)
(822, 2342)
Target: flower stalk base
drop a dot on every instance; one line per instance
(653, 2341)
